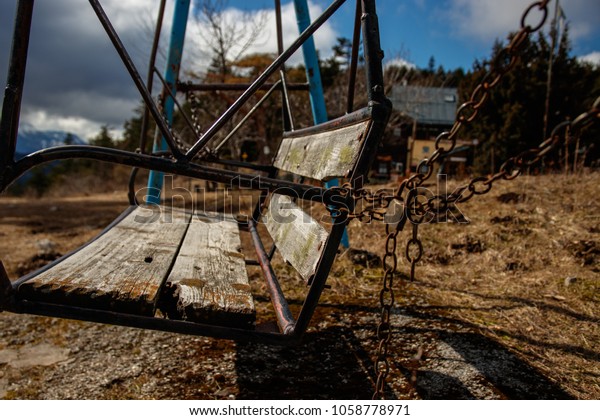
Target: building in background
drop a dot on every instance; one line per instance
(422, 113)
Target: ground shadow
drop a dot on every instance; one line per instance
(327, 365)
(336, 363)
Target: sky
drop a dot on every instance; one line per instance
(76, 82)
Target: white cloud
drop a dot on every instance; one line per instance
(583, 17)
(483, 20)
(80, 112)
(325, 37)
(591, 58)
(124, 13)
(399, 62)
(75, 80)
(83, 127)
(486, 20)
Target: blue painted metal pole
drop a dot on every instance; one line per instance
(180, 18)
(313, 74)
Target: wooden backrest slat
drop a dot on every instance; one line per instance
(323, 155)
(299, 238)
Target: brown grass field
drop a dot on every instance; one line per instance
(507, 306)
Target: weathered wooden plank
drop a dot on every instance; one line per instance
(325, 155)
(209, 282)
(299, 238)
(122, 271)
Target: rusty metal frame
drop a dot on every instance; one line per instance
(176, 162)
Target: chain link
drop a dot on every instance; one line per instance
(518, 164)
(417, 208)
(414, 250)
(182, 145)
(386, 300)
(195, 107)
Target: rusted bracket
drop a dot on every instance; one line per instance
(6, 290)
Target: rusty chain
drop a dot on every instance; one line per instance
(181, 144)
(468, 111)
(516, 165)
(195, 106)
(386, 300)
(376, 206)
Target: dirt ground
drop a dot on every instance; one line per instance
(507, 306)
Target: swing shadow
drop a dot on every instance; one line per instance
(336, 363)
(327, 365)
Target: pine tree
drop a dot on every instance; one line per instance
(512, 120)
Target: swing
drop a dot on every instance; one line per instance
(170, 269)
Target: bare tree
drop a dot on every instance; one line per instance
(225, 40)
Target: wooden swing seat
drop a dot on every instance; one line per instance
(155, 261)
(147, 251)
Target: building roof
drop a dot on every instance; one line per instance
(426, 105)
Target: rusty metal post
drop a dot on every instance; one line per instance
(285, 319)
(11, 108)
(288, 122)
(372, 52)
(135, 77)
(150, 76)
(354, 57)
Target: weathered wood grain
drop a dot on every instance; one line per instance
(299, 238)
(322, 156)
(209, 282)
(122, 271)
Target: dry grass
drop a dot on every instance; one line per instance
(525, 272)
